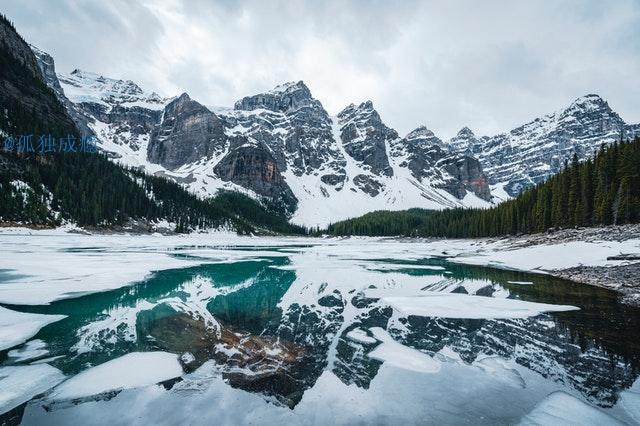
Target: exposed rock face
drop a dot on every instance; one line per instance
(365, 137)
(422, 153)
(467, 176)
(48, 69)
(189, 132)
(252, 166)
(368, 184)
(465, 142)
(293, 125)
(531, 153)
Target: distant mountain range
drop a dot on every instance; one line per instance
(281, 146)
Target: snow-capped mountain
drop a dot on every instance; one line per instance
(529, 154)
(282, 147)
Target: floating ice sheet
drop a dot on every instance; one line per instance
(18, 327)
(20, 384)
(561, 409)
(401, 356)
(129, 371)
(454, 305)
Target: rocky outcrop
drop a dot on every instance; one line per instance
(468, 176)
(293, 125)
(48, 69)
(189, 132)
(365, 137)
(423, 154)
(253, 167)
(368, 184)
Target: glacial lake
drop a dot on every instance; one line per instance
(308, 334)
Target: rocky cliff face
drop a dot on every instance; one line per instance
(252, 166)
(48, 70)
(292, 124)
(365, 137)
(188, 133)
(424, 155)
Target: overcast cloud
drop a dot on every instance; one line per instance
(489, 65)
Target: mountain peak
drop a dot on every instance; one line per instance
(465, 132)
(183, 97)
(589, 102)
(285, 98)
(422, 136)
(420, 132)
(290, 86)
(84, 86)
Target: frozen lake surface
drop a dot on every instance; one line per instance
(218, 329)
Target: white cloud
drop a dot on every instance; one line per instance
(490, 65)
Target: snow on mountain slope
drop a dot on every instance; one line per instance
(529, 154)
(82, 86)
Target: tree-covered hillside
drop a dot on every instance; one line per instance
(90, 190)
(601, 191)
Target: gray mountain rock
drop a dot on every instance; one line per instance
(424, 155)
(365, 137)
(253, 167)
(188, 133)
(293, 125)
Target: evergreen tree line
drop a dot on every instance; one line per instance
(90, 190)
(604, 190)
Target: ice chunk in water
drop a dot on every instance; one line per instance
(129, 371)
(20, 384)
(560, 408)
(401, 356)
(18, 327)
(454, 305)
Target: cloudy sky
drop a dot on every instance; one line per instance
(489, 65)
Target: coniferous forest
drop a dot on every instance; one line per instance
(604, 190)
(90, 190)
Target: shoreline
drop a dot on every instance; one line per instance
(587, 256)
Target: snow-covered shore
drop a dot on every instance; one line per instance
(75, 263)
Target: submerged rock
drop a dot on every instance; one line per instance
(249, 362)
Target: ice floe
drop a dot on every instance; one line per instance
(21, 383)
(401, 356)
(31, 350)
(129, 371)
(454, 305)
(561, 409)
(18, 327)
